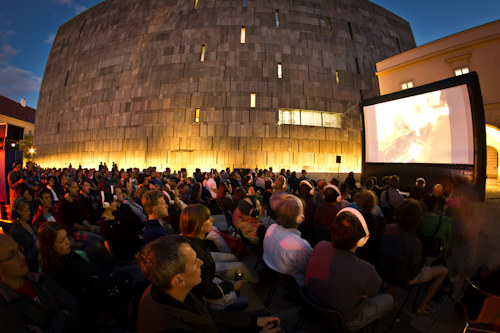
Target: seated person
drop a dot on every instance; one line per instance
(174, 269)
(391, 197)
(325, 211)
(73, 217)
(155, 206)
(68, 268)
(123, 235)
(247, 221)
(195, 223)
(24, 233)
(88, 201)
(399, 239)
(341, 280)
(284, 250)
(435, 223)
(32, 302)
(46, 212)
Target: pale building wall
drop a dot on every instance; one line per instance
(124, 78)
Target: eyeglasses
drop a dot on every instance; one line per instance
(14, 254)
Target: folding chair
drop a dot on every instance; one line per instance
(488, 319)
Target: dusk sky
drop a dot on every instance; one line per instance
(28, 27)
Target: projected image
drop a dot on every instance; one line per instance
(434, 127)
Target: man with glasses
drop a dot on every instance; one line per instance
(29, 301)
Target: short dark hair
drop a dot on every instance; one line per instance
(161, 260)
(366, 200)
(150, 200)
(408, 214)
(288, 211)
(331, 194)
(346, 231)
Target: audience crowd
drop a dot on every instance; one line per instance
(85, 245)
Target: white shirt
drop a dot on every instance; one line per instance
(286, 252)
(212, 187)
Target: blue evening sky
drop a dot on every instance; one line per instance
(28, 27)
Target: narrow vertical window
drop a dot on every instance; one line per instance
(337, 77)
(242, 38)
(461, 71)
(330, 26)
(252, 100)
(280, 71)
(350, 30)
(361, 93)
(195, 4)
(66, 79)
(244, 3)
(58, 126)
(357, 65)
(277, 18)
(197, 115)
(202, 58)
(399, 46)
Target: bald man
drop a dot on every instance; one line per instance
(32, 302)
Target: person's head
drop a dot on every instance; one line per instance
(268, 183)
(369, 184)
(20, 210)
(280, 183)
(12, 261)
(239, 193)
(154, 203)
(321, 185)
(85, 187)
(195, 221)
(120, 196)
(437, 190)
(109, 202)
(408, 214)
(349, 230)
(420, 182)
(290, 212)
(345, 189)
(366, 200)
(393, 182)
(51, 181)
(17, 165)
(45, 196)
(72, 187)
(248, 206)
(53, 242)
(331, 193)
(169, 262)
(25, 192)
(306, 190)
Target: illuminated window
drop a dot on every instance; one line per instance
(277, 18)
(460, 71)
(195, 4)
(406, 85)
(330, 26)
(202, 52)
(309, 118)
(337, 77)
(252, 100)
(244, 3)
(197, 115)
(242, 38)
(280, 71)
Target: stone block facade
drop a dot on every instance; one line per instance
(124, 79)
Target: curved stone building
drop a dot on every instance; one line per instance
(214, 83)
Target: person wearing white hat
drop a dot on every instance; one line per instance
(346, 283)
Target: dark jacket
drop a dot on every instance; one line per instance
(207, 288)
(153, 230)
(18, 311)
(27, 242)
(158, 312)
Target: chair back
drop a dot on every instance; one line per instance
(321, 234)
(329, 317)
(490, 312)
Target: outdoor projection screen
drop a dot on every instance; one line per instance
(433, 128)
